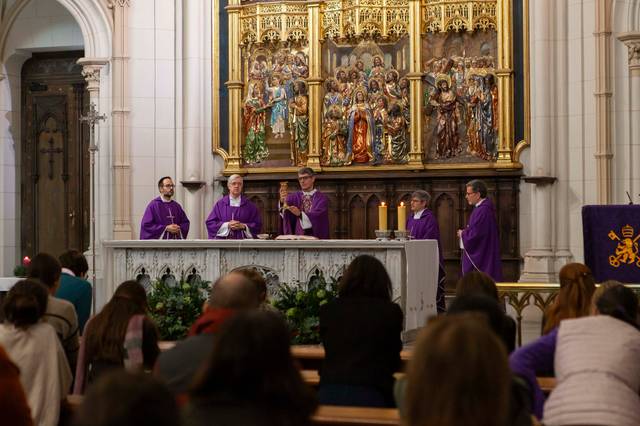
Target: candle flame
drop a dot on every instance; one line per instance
(382, 204)
(401, 203)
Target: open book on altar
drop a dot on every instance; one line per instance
(296, 237)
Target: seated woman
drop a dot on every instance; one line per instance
(574, 298)
(596, 364)
(477, 283)
(34, 347)
(458, 375)
(361, 333)
(121, 335)
(250, 377)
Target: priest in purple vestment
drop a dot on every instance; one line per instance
(423, 225)
(305, 212)
(234, 217)
(480, 241)
(163, 217)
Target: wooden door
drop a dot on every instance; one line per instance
(55, 159)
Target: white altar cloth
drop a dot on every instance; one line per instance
(412, 265)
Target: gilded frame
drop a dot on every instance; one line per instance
(510, 150)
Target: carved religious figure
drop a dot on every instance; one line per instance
(444, 100)
(299, 113)
(360, 128)
(278, 104)
(255, 147)
(396, 128)
(380, 116)
(334, 138)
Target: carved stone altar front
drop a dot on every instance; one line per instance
(412, 265)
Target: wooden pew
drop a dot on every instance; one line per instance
(333, 415)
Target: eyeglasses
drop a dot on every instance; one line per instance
(304, 177)
(169, 186)
(470, 193)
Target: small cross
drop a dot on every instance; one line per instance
(171, 216)
(51, 150)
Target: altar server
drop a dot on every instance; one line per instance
(423, 225)
(480, 240)
(164, 218)
(305, 212)
(234, 216)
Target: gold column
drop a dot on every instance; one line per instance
(505, 82)
(315, 85)
(234, 85)
(415, 84)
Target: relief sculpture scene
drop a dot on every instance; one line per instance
(460, 96)
(366, 104)
(275, 113)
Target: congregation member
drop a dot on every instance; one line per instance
(477, 283)
(305, 212)
(234, 216)
(120, 336)
(250, 377)
(121, 398)
(480, 241)
(60, 313)
(361, 333)
(253, 275)
(595, 359)
(13, 401)
(164, 218)
(34, 347)
(423, 225)
(574, 297)
(458, 375)
(74, 286)
(230, 294)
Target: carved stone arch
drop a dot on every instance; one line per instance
(142, 275)
(372, 215)
(167, 273)
(356, 226)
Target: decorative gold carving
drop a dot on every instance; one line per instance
(365, 19)
(273, 23)
(458, 15)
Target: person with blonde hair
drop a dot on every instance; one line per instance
(574, 298)
(458, 375)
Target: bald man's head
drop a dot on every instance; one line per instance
(234, 291)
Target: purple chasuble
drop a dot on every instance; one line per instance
(426, 228)
(158, 215)
(316, 208)
(223, 212)
(482, 242)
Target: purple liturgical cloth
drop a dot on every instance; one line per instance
(426, 228)
(158, 215)
(223, 212)
(481, 242)
(316, 207)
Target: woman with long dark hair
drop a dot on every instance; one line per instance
(34, 346)
(250, 377)
(121, 335)
(361, 333)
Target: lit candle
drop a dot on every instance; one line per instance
(402, 217)
(382, 217)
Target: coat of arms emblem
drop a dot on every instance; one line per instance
(627, 248)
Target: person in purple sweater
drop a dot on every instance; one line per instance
(234, 216)
(480, 240)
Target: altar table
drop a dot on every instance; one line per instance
(412, 265)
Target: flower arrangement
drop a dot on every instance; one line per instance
(300, 304)
(21, 270)
(175, 306)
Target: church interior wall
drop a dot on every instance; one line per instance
(41, 25)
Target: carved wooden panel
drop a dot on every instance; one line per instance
(354, 200)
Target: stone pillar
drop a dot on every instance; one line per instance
(415, 84)
(539, 260)
(632, 41)
(315, 85)
(121, 133)
(234, 85)
(193, 112)
(603, 95)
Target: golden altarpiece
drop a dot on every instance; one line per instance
(381, 97)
